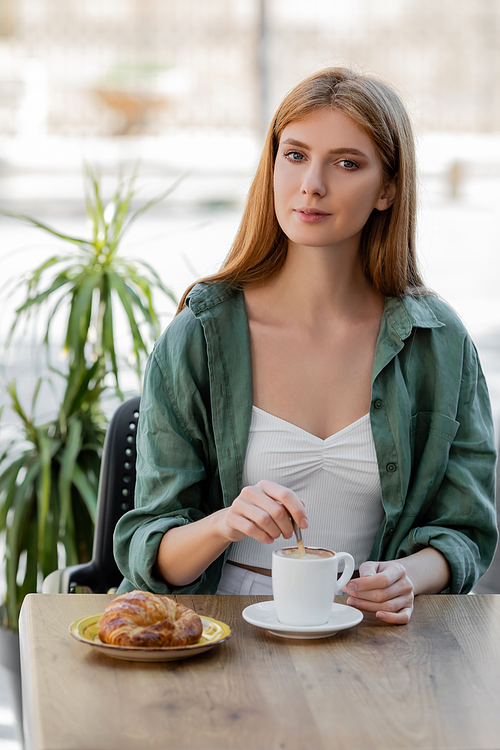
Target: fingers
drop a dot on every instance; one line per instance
(376, 575)
(383, 588)
(287, 498)
(391, 606)
(378, 588)
(248, 519)
(396, 618)
(263, 512)
(368, 568)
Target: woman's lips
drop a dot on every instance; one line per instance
(310, 215)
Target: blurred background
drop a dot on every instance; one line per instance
(188, 87)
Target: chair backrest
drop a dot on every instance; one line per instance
(115, 497)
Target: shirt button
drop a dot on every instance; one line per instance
(377, 403)
(391, 468)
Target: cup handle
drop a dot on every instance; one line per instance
(348, 568)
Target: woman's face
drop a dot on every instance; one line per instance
(327, 181)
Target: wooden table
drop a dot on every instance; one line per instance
(434, 683)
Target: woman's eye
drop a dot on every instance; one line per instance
(348, 164)
(293, 156)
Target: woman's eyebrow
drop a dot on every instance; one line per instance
(342, 150)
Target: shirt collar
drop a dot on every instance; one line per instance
(402, 313)
(206, 295)
(405, 313)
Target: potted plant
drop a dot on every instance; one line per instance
(49, 472)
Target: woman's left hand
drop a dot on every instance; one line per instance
(383, 588)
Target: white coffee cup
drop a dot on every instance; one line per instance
(304, 587)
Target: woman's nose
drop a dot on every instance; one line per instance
(313, 183)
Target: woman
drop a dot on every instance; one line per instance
(315, 378)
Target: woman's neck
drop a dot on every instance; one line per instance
(316, 285)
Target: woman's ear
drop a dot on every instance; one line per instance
(388, 195)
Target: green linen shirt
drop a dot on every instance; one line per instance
(430, 417)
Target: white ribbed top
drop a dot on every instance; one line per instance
(337, 479)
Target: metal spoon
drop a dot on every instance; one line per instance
(300, 543)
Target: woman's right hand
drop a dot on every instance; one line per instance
(263, 512)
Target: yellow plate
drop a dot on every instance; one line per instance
(214, 632)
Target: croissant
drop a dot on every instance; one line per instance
(140, 618)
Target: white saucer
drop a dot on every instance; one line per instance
(263, 615)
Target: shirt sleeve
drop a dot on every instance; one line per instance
(461, 520)
(173, 482)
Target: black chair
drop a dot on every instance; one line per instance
(115, 497)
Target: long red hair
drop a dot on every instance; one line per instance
(388, 240)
